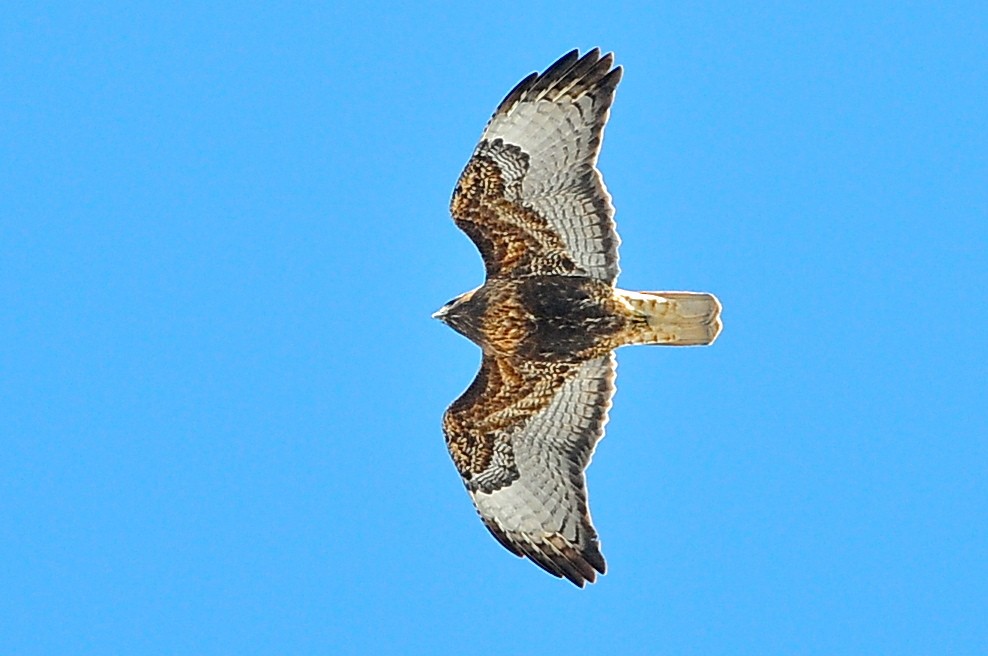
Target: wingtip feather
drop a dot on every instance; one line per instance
(568, 72)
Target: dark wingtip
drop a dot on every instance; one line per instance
(515, 94)
(591, 67)
(558, 558)
(564, 560)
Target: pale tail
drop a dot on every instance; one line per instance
(672, 318)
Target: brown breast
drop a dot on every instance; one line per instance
(506, 323)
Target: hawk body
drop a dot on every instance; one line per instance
(548, 316)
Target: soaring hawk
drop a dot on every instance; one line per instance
(548, 316)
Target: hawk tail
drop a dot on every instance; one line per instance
(670, 318)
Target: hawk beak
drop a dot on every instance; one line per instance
(439, 314)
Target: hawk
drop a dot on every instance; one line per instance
(548, 316)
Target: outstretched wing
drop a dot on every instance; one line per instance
(531, 197)
(521, 436)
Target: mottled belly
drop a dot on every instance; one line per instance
(557, 318)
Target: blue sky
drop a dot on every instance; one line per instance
(223, 230)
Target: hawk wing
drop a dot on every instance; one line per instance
(521, 436)
(531, 197)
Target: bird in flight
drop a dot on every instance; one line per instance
(548, 316)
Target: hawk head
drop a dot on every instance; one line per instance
(462, 314)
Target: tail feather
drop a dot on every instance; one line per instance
(672, 318)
